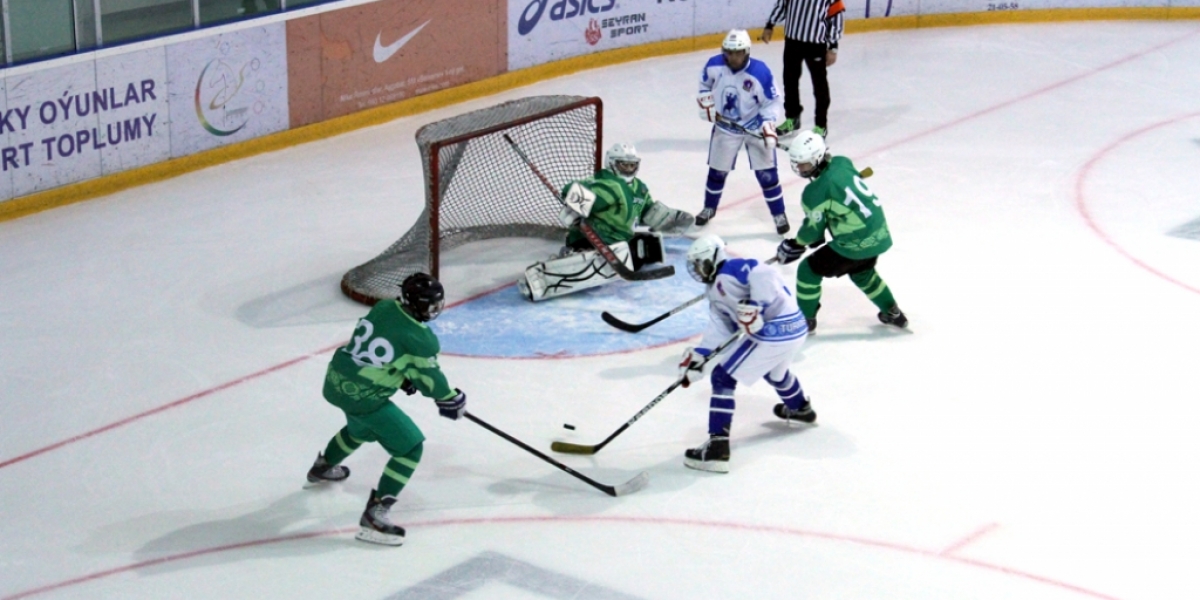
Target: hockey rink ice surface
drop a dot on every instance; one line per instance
(1032, 436)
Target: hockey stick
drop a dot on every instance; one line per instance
(632, 328)
(623, 489)
(569, 448)
(625, 272)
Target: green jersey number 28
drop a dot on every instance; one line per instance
(861, 197)
(377, 353)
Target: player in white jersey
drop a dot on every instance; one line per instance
(737, 95)
(744, 296)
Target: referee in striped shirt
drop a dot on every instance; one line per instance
(812, 29)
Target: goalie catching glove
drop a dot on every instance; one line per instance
(662, 219)
(749, 317)
(453, 407)
(691, 368)
(708, 107)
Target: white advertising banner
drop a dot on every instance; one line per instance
(542, 31)
(133, 135)
(719, 16)
(8, 151)
(228, 88)
(61, 121)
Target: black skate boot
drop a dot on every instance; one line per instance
(804, 414)
(781, 223)
(323, 472)
(893, 316)
(374, 524)
(704, 216)
(712, 455)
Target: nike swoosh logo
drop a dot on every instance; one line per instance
(383, 53)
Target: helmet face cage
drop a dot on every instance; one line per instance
(623, 160)
(807, 149)
(705, 257)
(423, 296)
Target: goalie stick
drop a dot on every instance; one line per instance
(632, 328)
(569, 448)
(623, 489)
(625, 272)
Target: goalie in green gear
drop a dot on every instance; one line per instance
(838, 200)
(391, 349)
(614, 201)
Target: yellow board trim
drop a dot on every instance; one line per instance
(109, 184)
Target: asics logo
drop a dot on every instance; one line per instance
(561, 9)
(383, 53)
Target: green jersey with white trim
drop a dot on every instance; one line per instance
(839, 200)
(619, 206)
(387, 348)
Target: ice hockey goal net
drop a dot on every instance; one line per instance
(477, 187)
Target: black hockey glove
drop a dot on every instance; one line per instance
(453, 408)
(408, 387)
(789, 251)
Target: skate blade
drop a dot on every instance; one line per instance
(369, 535)
(712, 466)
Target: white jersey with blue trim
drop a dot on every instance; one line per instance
(741, 279)
(747, 97)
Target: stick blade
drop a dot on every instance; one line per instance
(619, 324)
(658, 272)
(569, 448)
(632, 485)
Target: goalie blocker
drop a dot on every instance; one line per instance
(579, 269)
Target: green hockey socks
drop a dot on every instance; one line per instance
(398, 470)
(875, 288)
(341, 446)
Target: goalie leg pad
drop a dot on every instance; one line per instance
(647, 248)
(571, 273)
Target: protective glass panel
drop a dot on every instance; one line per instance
(128, 20)
(41, 28)
(220, 11)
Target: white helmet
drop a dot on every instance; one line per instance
(704, 257)
(623, 160)
(807, 148)
(736, 39)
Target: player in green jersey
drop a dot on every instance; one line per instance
(614, 201)
(838, 200)
(392, 349)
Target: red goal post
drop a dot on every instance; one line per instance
(478, 188)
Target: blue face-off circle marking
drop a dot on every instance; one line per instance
(503, 324)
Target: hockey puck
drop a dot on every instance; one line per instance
(568, 426)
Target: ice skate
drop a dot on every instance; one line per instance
(804, 414)
(703, 217)
(323, 472)
(821, 131)
(893, 316)
(712, 455)
(781, 223)
(374, 524)
(787, 126)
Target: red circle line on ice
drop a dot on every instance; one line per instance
(946, 554)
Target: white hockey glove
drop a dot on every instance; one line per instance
(568, 217)
(770, 138)
(580, 199)
(662, 219)
(708, 107)
(691, 368)
(749, 317)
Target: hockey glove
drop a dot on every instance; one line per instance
(453, 407)
(789, 251)
(408, 387)
(691, 368)
(749, 317)
(770, 138)
(580, 199)
(708, 107)
(568, 217)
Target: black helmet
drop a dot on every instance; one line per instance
(423, 296)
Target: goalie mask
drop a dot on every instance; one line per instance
(423, 296)
(807, 154)
(704, 258)
(623, 160)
